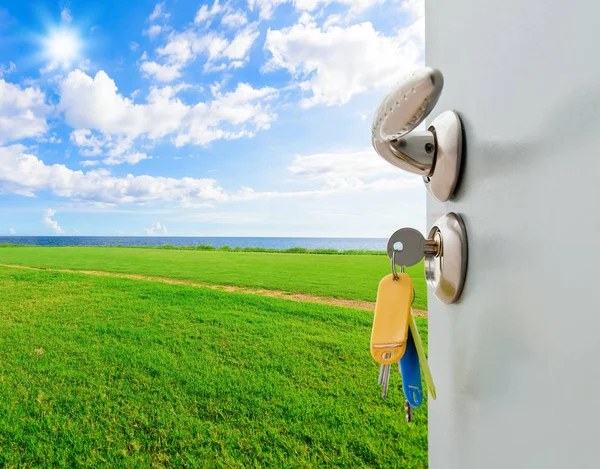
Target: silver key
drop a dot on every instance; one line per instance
(385, 381)
(409, 411)
(408, 246)
(380, 380)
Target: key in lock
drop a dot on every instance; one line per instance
(408, 246)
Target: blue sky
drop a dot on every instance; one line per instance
(188, 118)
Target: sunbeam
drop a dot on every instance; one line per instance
(62, 47)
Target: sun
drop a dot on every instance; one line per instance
(62, 47)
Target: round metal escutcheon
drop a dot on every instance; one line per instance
(446, 272)
(447, 129)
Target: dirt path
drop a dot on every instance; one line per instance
(358, 304)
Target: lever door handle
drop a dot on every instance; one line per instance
(435, 153)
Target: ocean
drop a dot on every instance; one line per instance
(341, 244)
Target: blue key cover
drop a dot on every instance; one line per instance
(411, 373)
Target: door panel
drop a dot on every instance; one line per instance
(516, 360)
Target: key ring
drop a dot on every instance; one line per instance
(395, 273)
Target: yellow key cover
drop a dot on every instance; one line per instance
(392, 318)
(422, 357)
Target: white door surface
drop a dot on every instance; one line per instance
(517, 360)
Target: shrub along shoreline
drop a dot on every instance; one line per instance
(207, 247)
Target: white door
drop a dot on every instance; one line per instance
(517, 360)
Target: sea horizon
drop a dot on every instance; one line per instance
(270, 242)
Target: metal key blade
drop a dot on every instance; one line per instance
(385, 381)
(409, 412)
(380, 379)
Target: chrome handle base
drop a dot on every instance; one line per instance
(414, 153)
(448, 132)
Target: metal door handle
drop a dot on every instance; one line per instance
(435, 153)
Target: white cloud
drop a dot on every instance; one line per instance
(130, 158)
(361, 170)
(335, 63)
(157, 229)
(236, 114)
(51, 139)
(178, 50)
(177, 53)
(12, 231)
(268, 7)
(23, 112)
(351, 165)
(329, 174)
(5, 70)
(414, 7)
(340, 188)
(184, 47)
(65, 15)
(133, 46)
(306, 18)
(158, 12)
(154, 30)
(90, 144)
(117, 150)
(94, 103)
(164, 73)
(234, 19)
(119, 146)
(203, 14)
(24, 174)
(356, 6)
(239, 47)
(48, 221)
(265, 7)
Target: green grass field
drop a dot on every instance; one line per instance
(338, 276)
(107, 372)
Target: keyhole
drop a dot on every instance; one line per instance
(398, 246)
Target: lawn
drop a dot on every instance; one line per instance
(338, 276)
(107, 372)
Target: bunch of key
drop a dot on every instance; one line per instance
(395, 337)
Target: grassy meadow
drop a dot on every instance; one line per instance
(110, 372)
(351, 276)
